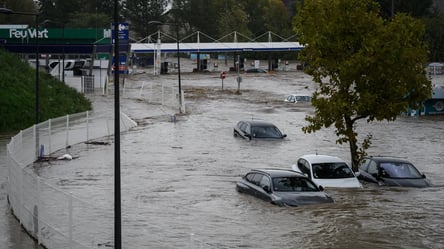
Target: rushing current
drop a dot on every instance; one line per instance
(178, 178)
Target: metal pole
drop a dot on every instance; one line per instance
(178, 68)
(63, 58)
(37, 64)
(117, 194)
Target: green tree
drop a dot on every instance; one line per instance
(141, 12)
(416, 8)
(277, 19)
(78, 13)
(255, 11)
(366, 68)
(435, 36)
(232, 19)
(19, 6)
(201, 15)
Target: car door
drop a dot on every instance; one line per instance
(304, 167)
(369, 171)
(243, 129)
(264, 192)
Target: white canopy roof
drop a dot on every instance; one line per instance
(216, 47)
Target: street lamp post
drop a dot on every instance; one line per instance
(178, 58)
(11, 12)
(63, 47)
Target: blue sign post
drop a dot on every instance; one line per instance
(123, 36)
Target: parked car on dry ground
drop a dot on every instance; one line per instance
(282, 187)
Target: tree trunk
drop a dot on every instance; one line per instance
(352, 141)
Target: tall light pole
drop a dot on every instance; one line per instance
(37, 101)
(63, 47)
(178, 57)
(117, 179)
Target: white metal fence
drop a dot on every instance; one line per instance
(56, 219)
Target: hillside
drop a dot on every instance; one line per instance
(17, 95)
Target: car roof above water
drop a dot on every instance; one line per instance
(314, 158)
(388, 159)
(258, 123)
(279, 172)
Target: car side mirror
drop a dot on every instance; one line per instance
(285, 135)
(266, 189)
(321, 188)
(423, 176)
(357, 173)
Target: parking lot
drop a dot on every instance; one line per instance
(178, 178)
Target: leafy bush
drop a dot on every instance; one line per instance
(17, 95)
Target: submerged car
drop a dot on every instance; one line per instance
(255, 70)
(294, 98)
(255, 129)
(391, 171)
(328, 171)
(282, 187)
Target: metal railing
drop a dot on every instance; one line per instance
(55, 218)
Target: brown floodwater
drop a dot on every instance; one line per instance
(178, 178)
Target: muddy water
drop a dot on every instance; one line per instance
(178, 179)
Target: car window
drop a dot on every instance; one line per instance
(303, 166)
(243, 127)
(363, 164)
(265, 132)
(249, 177)
(293, 184)
(265, 182)
(372, 167)
(399, 170)
(331, 171)
(257, 179)
(254, 178)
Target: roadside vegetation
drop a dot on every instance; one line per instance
(17, 95)
(216, 18)
(367, 67)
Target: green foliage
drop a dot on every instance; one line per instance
(17, 97)
(141, 12)
(366, 68)
(18, 5)
(416, 8)
(435, 36)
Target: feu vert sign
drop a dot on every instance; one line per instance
(27, 33)
(55, 35)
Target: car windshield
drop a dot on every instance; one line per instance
(331, 171)
(266, 132)
(293, 184)
(399, 170)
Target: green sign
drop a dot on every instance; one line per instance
(56, 35)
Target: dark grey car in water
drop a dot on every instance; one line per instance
(391, 171)
(256, 129)
(282, 187)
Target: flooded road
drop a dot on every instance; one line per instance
(178, 179)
